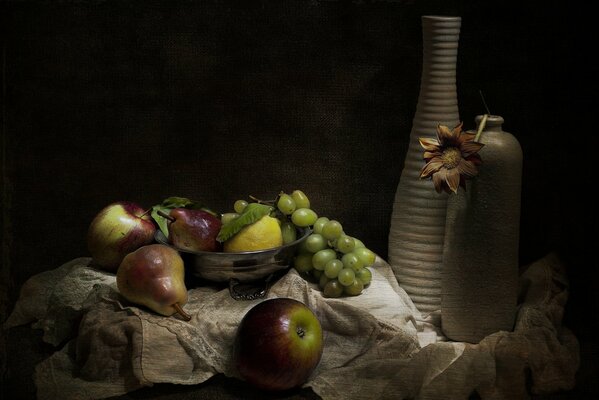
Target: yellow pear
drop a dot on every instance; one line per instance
(154, 276)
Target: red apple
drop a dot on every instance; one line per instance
(117, 230)
(278, 344)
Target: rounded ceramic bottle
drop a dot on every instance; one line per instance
(417, 225)
(480, 262)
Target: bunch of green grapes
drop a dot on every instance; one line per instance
(338, 262)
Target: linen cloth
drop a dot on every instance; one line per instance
(376, 345)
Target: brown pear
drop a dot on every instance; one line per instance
(194, 230)
(154, 276)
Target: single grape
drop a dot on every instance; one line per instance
(323, 281)
(351, 260)
(320, 258)
(364, 275)
(302, 248)
(344, 244)
(316, 274)
(317, 228)
(333, 289)
(286, 204)
(239, 206)
(228, 217)
(332, 268)
(358, 243)
(365, 255)
(289, 232)
(303, 217)
(315, 242)
(346, 276)
(301, 200)
(332, 230)
(303, 262)
(355, 288)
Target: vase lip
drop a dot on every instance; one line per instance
(492, 120)
(441, 17)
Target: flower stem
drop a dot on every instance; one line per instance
(481, 127)
(484, 102)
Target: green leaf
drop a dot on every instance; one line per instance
(160, 220)
(252, 213)
(183, 202)
(178, 202)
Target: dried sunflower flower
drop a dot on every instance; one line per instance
(451, 158)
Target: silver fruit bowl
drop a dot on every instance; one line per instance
(244, 266)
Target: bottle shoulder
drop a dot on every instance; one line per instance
(500, 145)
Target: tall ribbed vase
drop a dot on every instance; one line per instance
(417, 227)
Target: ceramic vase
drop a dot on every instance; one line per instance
(417, 226)
(480, 264)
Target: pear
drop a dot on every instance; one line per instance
(194, 230)
(154, 276)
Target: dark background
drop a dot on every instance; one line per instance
(217, 100)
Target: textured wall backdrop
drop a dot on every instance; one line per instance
(215, 100)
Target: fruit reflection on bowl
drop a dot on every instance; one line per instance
(244, 266)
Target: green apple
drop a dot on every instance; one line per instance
(117, 230)
(278, 345)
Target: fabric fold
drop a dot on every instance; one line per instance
(373, 347)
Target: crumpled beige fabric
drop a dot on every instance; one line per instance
(377, 345)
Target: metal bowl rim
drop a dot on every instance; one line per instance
(159, 237)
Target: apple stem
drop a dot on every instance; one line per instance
(165, 215)
(300, 332)
(145, 213)
(181, 312)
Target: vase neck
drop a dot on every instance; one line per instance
(440, 36)
(438, 102)
(441, 25)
